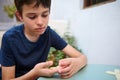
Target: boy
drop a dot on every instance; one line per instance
(25, 47)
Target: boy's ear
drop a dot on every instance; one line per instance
(18, 16)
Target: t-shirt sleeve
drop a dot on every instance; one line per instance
(57, 41)
(6, 53)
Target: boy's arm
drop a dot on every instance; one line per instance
(69, 66)
(71, 52)
(41, 69)
(8, 72)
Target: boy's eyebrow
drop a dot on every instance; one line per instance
(46, 11)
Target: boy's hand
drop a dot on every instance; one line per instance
(42, 69)
(68, 67)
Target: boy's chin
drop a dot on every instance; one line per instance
(41, 33)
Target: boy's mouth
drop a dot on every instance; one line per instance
(40, 29)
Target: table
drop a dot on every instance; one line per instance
(89, 72)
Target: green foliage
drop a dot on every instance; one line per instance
(56, 55)
(71, 40)
(10, 10)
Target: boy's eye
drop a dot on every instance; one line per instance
(44, 15)
(32, 17)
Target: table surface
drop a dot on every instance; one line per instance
(90, 72)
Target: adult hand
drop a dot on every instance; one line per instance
(42, 69)
(69, 66)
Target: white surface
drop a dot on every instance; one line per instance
(1, 34)
(116, 73)
(60, 26)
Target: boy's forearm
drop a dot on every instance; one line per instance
(31, 75)
(83, 61)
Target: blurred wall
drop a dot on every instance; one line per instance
(97, 29)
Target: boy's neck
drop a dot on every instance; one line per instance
(31, 37)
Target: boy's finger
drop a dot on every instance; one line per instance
(64, 63)
(54, 69)
(47, 64)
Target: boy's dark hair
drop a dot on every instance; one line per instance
(19, 4)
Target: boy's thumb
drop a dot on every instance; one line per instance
(47, 64)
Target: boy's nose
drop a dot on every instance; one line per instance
(39, 21)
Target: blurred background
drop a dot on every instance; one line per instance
(96, 29)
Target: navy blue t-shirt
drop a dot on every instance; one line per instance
(17, 50)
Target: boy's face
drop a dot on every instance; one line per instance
(35, 19)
